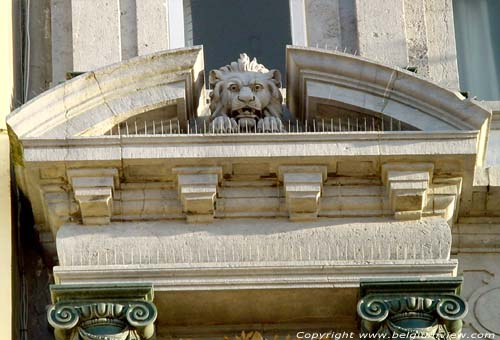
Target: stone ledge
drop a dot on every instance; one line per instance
(370, 144)
(266, 275)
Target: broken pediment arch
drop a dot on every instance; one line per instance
(321, 83)
(72, 170)
(333, 91)
(169, 83)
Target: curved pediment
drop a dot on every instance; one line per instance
(322, 83)
(340, 92)
(168, 83)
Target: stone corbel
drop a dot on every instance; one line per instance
(406, 309)
(303, 186)
(197, 187)
(445, 194)
(93, 312)
(93, 189)
(407, 185)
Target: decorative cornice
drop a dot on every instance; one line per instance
(423, 309)
(388, 144)
(263, 275)
(102, 312)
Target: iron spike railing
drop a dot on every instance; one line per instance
(203, 127)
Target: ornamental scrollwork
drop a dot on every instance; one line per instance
(423, 317)
(103, 320)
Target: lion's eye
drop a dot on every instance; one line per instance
(234, 88)
(258, 87)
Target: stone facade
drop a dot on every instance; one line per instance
(176, 206)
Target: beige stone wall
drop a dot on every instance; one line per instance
(481, 289)
(86, 35)
(416, 33)
(7, 89)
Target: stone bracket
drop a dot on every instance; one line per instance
(197, 188)
(444, 195)
(303, 186)
(407, 186)
(93, 189)
(89, 311)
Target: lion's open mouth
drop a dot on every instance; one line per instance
(246, 112)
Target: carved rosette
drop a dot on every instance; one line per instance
(94, 320)
(412, 315)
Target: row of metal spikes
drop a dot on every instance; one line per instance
(196, 127)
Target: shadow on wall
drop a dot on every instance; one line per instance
(32, 277)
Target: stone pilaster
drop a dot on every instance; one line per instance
(406, 309)
(102, 312)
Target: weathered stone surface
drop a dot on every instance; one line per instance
(152, 26)
(128, 28)
(260, 240)
(443, 67)
(416, 35)
(480, 265)
(323, 23)
(381, 31)
(96, 34)
(38, 56)
(62, 46)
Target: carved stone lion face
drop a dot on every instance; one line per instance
(245, 91)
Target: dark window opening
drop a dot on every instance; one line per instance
(477, 32)
(226, 28)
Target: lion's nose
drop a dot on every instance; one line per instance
(246, 95)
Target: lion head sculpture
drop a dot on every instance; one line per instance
(245, 95)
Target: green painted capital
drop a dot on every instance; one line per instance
(412, 309)
(102, 312)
